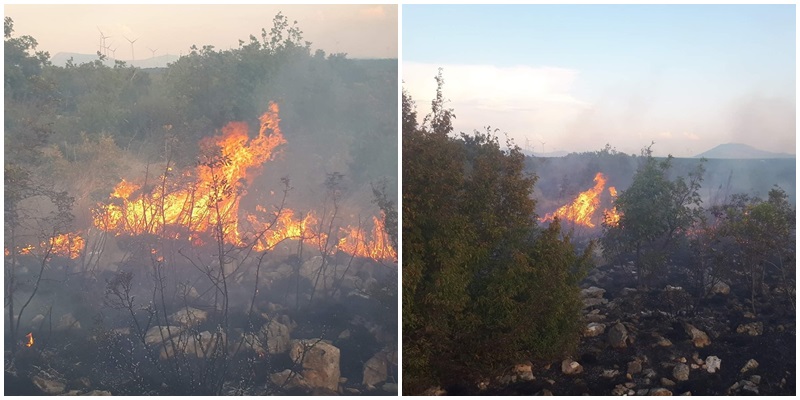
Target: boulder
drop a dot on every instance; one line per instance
(523, 371)
(634, 367)
(618, 336)
(667, 382)
(752, 329)
(376, 370)
(49, 386)
(592, 292)
(609, 373)
(713, 363)
(594, 329)
(699, 338)
(278, 337)
(720, 288)
(99, 393)
(751, 364)
(320, 362)
(593, 302)
(389, 387)
(569, 367)
(188, 317)
(158, 334)
(681, 372)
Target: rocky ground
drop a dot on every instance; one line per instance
(663, 341)
(334, 345)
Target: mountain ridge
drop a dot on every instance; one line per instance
(740, 151)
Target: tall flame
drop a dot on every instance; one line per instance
(582, 210)
(210, 201)
(206, 199)
(30, 339)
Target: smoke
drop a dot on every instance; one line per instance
(768, 123)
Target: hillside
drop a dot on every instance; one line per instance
(740, 151)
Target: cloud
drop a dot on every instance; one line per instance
(691, 136)
(526, 102)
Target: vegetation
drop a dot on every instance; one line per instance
(475, 264)
(656, 214)
(71, 134)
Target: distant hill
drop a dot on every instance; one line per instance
(548, 154)
(741, 151)
(60, 59)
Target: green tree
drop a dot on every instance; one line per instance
(475, 263)
(764, 234)
(656, 212)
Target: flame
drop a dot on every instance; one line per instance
(582, 210)
(66, 245)
(611, 217)
(376, 246)
(30, 339)
(210, 200)
(206, 200)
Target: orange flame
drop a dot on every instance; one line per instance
(206, 199)
(66, 245)
(582, 210)
(30, 339)
(210, 202)
(376, 246)
(612, 216)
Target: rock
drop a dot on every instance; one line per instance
(628, 291)
(686, 393)
(434, 391)
(278, 337)
(188, 317)
(99, 393)
(749, 315)
(699, 338)
(660, 392)
(681, 372)
(595, 316)
(375, 370)
(48, 386)
(635, 367)
(609, 373)
(524, 371)
(320, 362)
(713, 363)
(594, 329)
(649, 373)
(345, 334)
(618, 336)
(569, 367)
(756, 379)
(619, 390)
(752, 329)
(288, 379)
(546, 392)
(749, 387)
(720, 288)
(593, 292)
(593, 302)
(73, 392)
(389, 387)
(642, 392)
(751, 364)
(662, 341)
(158, 334)
(667, 382)
(67, 322)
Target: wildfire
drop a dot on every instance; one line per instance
(582, 210)
(210, 199)
(66, 245)
(375, 246)
(30, 339)
(206, 199)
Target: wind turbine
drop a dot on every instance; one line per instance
(542, 146)
(152, 51)
(113, 52)
(103, 38)
(132, 42)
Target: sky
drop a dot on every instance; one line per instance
(575, 77)
(361, 31)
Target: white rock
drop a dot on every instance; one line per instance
(713, 363)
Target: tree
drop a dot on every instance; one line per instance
(764, 235)
(475, 263)
(656, 214)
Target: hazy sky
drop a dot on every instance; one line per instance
(579, 76)
(361, 31)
